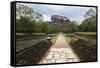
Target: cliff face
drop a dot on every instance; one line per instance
(56, 19)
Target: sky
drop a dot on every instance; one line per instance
(74, 13)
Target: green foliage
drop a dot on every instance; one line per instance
(88, 25)
(41, 27)
(25, 11)
(26, 18)
(29, 21)
(72, 27)
(24, 25)
(90, 13)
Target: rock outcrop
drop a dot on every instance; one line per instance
(56, 19)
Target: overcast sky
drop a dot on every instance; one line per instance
(72, 12)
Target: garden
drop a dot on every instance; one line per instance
(32, 30)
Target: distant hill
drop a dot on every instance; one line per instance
(56, 19)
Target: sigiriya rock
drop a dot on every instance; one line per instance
(56, 19)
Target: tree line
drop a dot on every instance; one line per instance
(30, 21)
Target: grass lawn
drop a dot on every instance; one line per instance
(68, 39)
(21, 35)
(69, 35)
(53, 37)
(86, 33)
(89, 34)
(38, 33)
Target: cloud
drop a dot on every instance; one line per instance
(46, 18)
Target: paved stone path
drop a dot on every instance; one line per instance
(60, 52)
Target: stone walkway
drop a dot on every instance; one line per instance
(60, 52)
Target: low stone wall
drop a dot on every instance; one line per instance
(85, 48)
(23, 44)
(33, 54)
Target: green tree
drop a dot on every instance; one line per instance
(26, 19)
(24, 24)
(25, 11)
(41, 27)
(72, 27)
(89, 23)
(90, 13)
